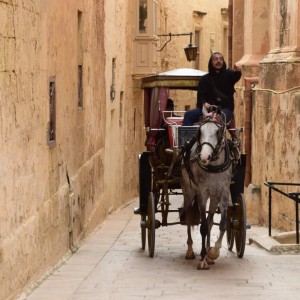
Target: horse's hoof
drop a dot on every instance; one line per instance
(210, 261)
(213, 253)
(190, 256)
(202, 266)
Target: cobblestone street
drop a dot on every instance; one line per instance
(111, 265)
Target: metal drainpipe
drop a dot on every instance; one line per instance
(248, 122)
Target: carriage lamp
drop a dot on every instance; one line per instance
(190, 50)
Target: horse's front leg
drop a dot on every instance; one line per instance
(211, 255)
(214, 252)
(210, 221)
(190, 252)
(222, 228)
(203, 264)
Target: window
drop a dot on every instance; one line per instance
(80, 88)
(121, 107)
(197, 43)
(225, 42)
(113, 79)
(145, 42)
(212, 42)
(134, 123)
(143, 16)
(154, 17)
(80, 58)
(52, 110)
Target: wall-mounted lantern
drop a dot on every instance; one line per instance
(190, 50)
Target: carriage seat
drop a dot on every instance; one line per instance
(174, 120)
(172, 123)
(179, 135)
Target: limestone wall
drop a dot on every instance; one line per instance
(53, 194)
(190, 16)
(124, 135)
(274, 154)
(208, 23)
(50, 194)
(275, 146)
(271, 54)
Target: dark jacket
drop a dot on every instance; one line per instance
(218, 88)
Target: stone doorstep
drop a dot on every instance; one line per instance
(272, 244)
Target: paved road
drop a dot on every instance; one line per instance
(110, 265)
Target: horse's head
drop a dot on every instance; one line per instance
(213, 112)
(211, 138)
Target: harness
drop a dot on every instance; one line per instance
(219, 168)
(222, 144)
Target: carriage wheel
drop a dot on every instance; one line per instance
(229, 230)
(143, 231)
(151, 224)
(240, 232)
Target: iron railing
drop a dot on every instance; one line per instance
(293, 196)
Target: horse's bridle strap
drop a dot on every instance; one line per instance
(216, 150)
(217, 169)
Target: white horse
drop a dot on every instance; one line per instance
(206, 174)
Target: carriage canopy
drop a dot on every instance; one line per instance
(156, 93)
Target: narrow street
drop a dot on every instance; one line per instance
(110, 265)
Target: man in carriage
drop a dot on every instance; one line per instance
(216, 88)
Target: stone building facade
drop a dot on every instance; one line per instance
(71, 110)
(72, 120)
(268, 103)
(53, 124)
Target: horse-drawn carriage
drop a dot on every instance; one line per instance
(172, 165)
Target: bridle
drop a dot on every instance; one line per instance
(220, 143)
(216, 150)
